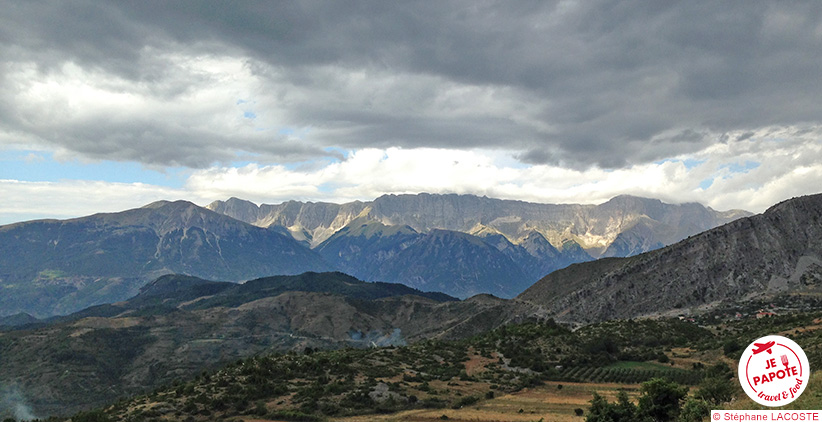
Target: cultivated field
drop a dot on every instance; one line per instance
(549, 402)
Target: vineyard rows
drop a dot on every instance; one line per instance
(626, 375)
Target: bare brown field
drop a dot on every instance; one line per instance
(547, 402)
(477, 363)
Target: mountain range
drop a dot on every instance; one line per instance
(461, 245)
(464, 244)
(609, 229)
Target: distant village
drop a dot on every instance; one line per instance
(737, 311)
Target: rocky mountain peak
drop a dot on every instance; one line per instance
(237, 208)
(167, 216)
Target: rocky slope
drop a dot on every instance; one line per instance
(308, 222)
(50, 267)
(779, 250)
(536, 256)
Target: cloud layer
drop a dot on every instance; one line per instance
(551, 100)
(575, 83)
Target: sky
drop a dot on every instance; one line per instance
(106, 106)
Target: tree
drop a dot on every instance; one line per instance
(600, 410)
(716, 386)
(731, 347)
(694, 410)
(621, 411)
(660, 400)
(624, 410)
(720, 369)
(715, 390)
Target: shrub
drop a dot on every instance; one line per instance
(602, 411)
(91, 416)
(293, 416)
(465, 401)
(433, 403)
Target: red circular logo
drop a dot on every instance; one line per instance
(774, 371)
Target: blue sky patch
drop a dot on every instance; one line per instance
(740, 168)
(705, 184)
(327, 187)
(692, 162)
(688, 162)
(37, 166)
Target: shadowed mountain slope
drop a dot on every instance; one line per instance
(452, 262)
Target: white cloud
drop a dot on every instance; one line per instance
(752, 174)
(73, 198)
(184, 109)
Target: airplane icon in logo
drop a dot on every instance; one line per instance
(763, 347)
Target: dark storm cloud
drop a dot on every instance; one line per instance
(604, 83)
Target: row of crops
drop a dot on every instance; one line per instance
(626, 375)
